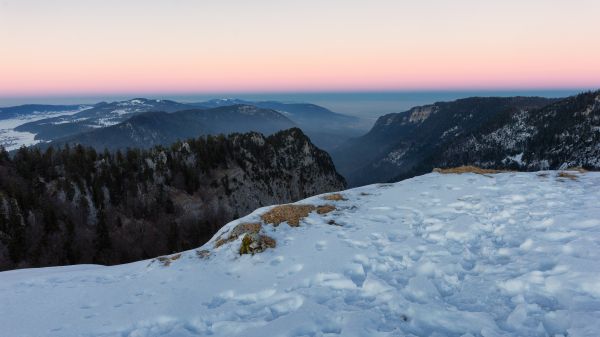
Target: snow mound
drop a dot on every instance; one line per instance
(509, 254)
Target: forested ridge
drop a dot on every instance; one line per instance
(77, 205)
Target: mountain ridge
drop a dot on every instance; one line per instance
(399, 143)
(76, 205)
(560, 135)
(148, 129)
(326, 128)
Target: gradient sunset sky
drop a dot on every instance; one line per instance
(72, 47)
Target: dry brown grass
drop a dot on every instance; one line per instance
(466, 169)
(239, 230)
(268, 241)
(335, 197)
(203, 254)
(292, 214)
(325, 209)
(166, 260)
(221, 242)
(567, 175)
(244, 228)
(578, 169)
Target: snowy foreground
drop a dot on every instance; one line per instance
(513, 254)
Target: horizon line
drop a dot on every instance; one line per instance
(141, 94)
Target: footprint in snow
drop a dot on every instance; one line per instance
(321, 245)
(291, 271)
(356, 273)
(277, 260)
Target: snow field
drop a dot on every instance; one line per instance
(511, 254)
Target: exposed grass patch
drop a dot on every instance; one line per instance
(543, 175)
(221, 242)
(335, 197)
(239, 230)
(567, 175)
(292, 214)
(255, 243)
(466, 169)
(244, 228)
(578, 169)
(325, 209)
(166, 260)
(203, 254)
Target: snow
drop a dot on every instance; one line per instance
(104, 122)
(453, 130)
(395, 157)
(518, 158)
(133, 102)
(12, 140)
(512, 254)
(286, 113)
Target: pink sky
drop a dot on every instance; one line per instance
(66, 47)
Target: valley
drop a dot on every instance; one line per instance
(513, 133)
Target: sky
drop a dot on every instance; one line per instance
(96, 47)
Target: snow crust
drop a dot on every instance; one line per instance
(512, 254)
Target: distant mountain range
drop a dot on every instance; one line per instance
(326, 128)
(36, 109)
(148, 129)
(521, 133)
(97, 116)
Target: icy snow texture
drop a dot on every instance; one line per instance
(513, 254)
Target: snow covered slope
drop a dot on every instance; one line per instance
(12, 139)
(512, 254)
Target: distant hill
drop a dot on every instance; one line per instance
(145, 130)
(99, 115)
(35, 109)
(326, 128)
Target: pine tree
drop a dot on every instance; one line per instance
(102, 242)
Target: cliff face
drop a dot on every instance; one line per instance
(406, 144)
(560, 135)
(76, 205)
